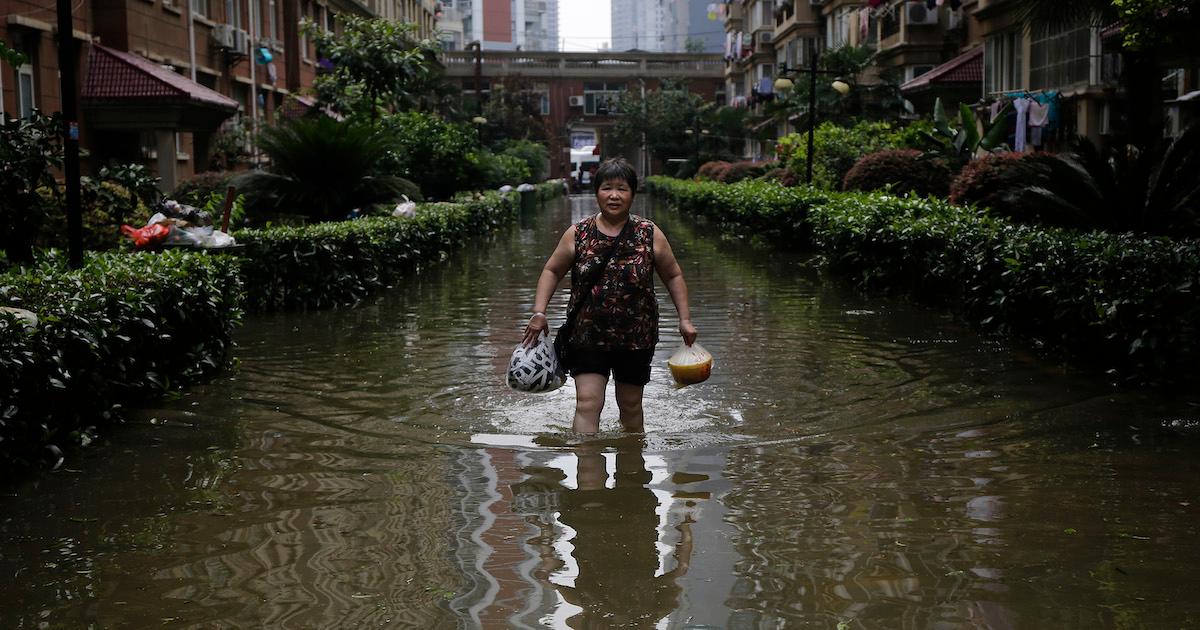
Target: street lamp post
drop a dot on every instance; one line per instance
(783, 84)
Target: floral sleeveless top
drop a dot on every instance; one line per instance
(622, 312)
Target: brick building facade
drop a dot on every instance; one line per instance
(175, 72)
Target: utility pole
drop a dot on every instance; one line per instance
(67, 59)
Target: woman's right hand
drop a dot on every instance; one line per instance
(536, 326)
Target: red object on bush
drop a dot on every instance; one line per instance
(147, 236)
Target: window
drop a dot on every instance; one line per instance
(255, 18)
(233, 13)
(1002, 62)
(200, 7)
(838, 34)
(797, 52)
(602, 98)
(272, 20)
(1060, 58)
(912, 72)
(26, 97)
(303, 37)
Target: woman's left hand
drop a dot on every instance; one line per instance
(687, 331)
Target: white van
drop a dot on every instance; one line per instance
(582, 160)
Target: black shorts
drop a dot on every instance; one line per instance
(631, 367)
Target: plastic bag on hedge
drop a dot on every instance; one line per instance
(690, 364)
(148, 236)
(535, 369)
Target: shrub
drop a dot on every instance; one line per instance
(498, 169)
(991, 182)
(30, 149)
(902, 171)
(1122, 301)
(712, 171)
(836, 149)
(122, 328)
(322, 168)
(781, 175)
(103, 207)
(437, 155)
(535, 156)
(739, 171)
(198, 188)
(328, 264)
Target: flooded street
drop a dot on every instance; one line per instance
(855, 461)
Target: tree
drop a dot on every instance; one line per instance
(29, 151)
(663, 118)
(693, 45)
(875, 101)
(374, 63)
(514, 112)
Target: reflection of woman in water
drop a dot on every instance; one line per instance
(615, 543)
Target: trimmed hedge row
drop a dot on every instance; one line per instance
(128, 327)
(330, 264)
(123, 328)
(1127, 301)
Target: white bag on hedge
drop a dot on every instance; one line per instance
(535, 369)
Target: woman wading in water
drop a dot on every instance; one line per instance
(617, 325)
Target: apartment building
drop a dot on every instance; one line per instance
(530, 25)
(159, 79)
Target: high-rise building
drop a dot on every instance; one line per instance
(500, 24)
(665, 26)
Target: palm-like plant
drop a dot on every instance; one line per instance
(323, 168)
(958, 142)
(1152, 191)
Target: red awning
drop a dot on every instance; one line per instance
(114, 75)
(966, 68)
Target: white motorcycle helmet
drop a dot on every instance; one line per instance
(535, 369)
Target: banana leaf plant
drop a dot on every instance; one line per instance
(959, 141)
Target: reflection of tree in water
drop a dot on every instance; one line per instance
(618, 582)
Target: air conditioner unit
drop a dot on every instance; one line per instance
(222, 35)
(916, 13)
(241, 42)
(764, 38)
(575, 101)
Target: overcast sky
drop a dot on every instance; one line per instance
(584, 24)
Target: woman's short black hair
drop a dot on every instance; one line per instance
(616, 168)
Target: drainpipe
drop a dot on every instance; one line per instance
(191, 28)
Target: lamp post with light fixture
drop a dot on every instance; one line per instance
(784, 84)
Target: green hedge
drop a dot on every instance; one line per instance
(329, 264)
(121, 329)
(127, 327)
(1129, 302)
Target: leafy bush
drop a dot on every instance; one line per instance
(1151, 191)
(902, 171)
(322, 168)
(103, 208)
(990, 181)
(761, 211)
(536, 156)
(739, 171)
(836, 149)
(437, 155)
(712, 171)
(199, 187)
(1126, 302)
(781, 175)
(328, 264)
(499, 169)
(122, 328)
(30, 148)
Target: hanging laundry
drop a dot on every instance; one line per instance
(1039, 114)
(997, 107)
(864, 25)
(1022, 107)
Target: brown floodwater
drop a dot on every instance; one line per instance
(855, 461)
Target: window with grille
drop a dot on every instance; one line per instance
(1060, 57)
(1002, 62)
(602, 98)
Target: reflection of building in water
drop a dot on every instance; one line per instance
(584, 539)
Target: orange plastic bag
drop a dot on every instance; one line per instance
(690, 364)
(150, 235)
